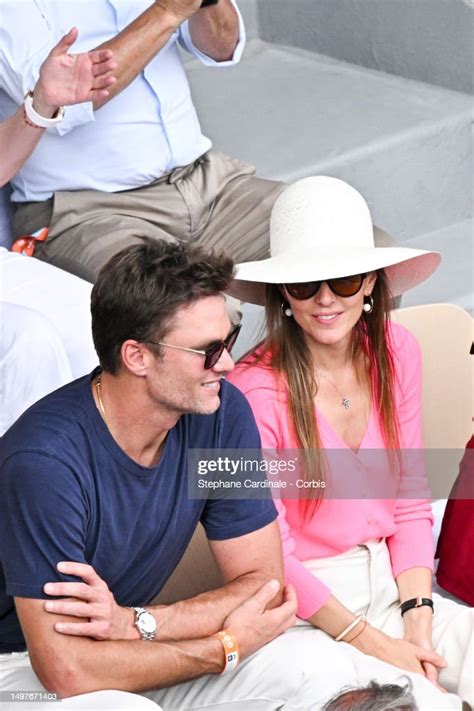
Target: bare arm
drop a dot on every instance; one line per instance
(416, 582)
(64, 79)
(245, 563)
(407, 654)
(73, 665)
(143, 38)
(418, 622)
(215, 30)
(76, 665)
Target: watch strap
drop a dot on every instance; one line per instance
(416, 602)
(34, 118)
(147, 636)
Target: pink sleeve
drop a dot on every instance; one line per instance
(411, 546)
(312, 593)
(269, 409)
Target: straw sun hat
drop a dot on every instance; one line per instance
(321, 228)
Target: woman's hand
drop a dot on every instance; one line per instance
(72, 78)
(92, 603)
(407, 655)
(418, 626)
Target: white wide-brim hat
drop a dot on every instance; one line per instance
(321, 228)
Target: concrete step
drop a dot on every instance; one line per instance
(404, 144)
(427, 40)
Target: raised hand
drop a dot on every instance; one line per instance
(72, 78)
(92, 602)
(254, 626)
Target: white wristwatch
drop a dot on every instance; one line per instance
(39, 120)
(146, 623)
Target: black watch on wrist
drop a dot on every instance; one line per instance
(206, 3)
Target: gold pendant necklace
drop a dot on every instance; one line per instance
(99, 400)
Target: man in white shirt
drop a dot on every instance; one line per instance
(135, 163)
(45, 336)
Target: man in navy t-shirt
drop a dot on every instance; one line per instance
(95, 514)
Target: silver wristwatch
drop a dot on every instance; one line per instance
(146, 623)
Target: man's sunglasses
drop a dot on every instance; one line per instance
(211, 354)
(342, 286)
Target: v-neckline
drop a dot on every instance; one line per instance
(320, 415)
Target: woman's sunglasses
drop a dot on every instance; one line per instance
(342, 286)
(211, 354)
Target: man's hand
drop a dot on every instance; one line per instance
(72, 78)
(91, 601)
(254, 625)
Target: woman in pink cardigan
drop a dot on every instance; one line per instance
(336, 379)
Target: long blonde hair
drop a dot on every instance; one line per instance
(291, 357)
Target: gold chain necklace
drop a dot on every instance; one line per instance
(99, 400)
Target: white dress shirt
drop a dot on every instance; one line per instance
(145, 131)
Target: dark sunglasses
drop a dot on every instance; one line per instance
(211, 354)
(342, 286)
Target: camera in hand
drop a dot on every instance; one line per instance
(206, 3)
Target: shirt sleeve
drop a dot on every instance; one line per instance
(24, 47)
(43, 521)
(187, 43)
(311, 592)
(235, 515)
(411, 546)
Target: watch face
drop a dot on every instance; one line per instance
(147, 623)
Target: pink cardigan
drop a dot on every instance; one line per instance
(340, 524)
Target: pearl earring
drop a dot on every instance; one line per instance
(285, 310)
(368, 304)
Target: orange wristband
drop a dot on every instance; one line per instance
(231, 649)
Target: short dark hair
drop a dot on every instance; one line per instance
(139, 290)
(374, 697)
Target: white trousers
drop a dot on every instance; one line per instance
(363, 581)
(302, 669)
(17, 678)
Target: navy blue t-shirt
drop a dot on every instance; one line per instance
(69, 492)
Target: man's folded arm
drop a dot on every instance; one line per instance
(77, 665)
(70, 665)
(245, 563)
